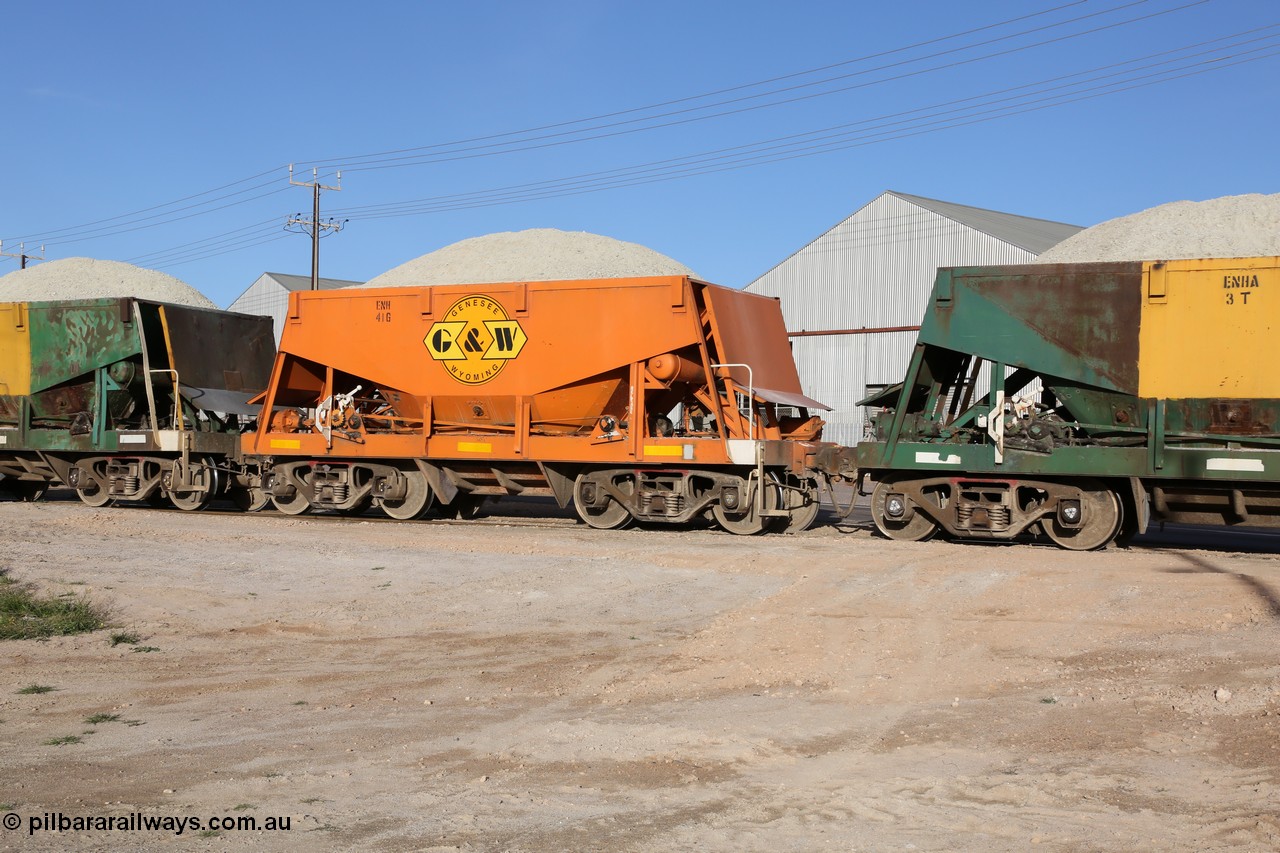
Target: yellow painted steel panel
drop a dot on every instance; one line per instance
(15, 349)
(663, 450)
(1208, 329)
(475, 447)
(285, 443)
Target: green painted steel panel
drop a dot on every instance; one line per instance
(1077, 322)
(71, 339)
(976, 460)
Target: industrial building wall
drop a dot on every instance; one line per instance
(873, 270)
(265, 297)
(837, 370)
(269, 295)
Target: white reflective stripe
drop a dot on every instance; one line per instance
(1234, 465)
(4, 439)
(742, 451)
(936, 459)
(133, 439)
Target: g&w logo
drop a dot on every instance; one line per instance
(475, 339)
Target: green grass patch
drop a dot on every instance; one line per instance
(64, 740)
(27, 615)
(146, 649)
(94, 719)
(128, 638)
(32, 689)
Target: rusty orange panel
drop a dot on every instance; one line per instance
(503, 339)
(750, 330)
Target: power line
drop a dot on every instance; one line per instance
(214, 254)
(757, 153)
(688, 165)
(681, 166)
(528, 143)
(352, 160)
(75, 229)
(125, 223)
(226, 238)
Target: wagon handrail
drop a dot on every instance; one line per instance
(751, 397)
(177, 397)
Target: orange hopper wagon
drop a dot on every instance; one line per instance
(658, 399)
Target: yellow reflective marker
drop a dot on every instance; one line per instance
(663, 450)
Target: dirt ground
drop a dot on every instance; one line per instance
(505, 685)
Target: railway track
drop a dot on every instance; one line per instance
(538, 514)
(531, 513)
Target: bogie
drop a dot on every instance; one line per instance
(900, 514)
(1079, 514)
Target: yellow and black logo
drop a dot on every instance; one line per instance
(475, 340)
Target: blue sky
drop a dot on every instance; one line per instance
(159, 133)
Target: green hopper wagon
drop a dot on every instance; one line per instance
(1082, 402)
(125, 399)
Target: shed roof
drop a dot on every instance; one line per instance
(1022, 232)
(303, 282)
(296, 282)
(1025, 232)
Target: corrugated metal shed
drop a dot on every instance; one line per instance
(269, 295)
(873, 272)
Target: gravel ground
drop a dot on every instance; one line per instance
(87, 278)
(1238, 226)
(538, 254)
(496, 686)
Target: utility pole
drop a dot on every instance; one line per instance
(314, 226)
(21, 254)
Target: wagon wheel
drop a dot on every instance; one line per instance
(189, 501)
(250, 499)
(801, 517)
(1101, 520)
(294, 504)
(917, 529)
(746, 521)
(417, 499)
(93, 494)
(612, 516)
